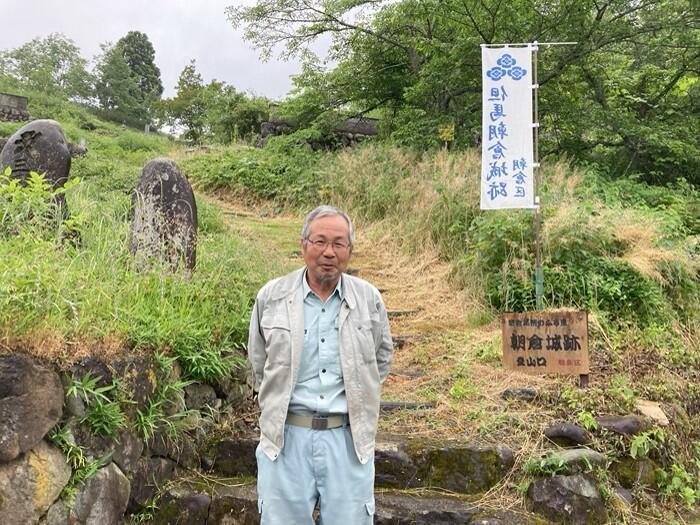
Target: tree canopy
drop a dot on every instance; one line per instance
(52, 63)
(625, 95)
(215, 110)
(140, 57)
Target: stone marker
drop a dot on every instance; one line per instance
(26, 388)
(164, 216)
(39, 146)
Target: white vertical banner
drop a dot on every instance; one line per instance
(507, 145)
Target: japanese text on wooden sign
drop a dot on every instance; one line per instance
(507, 142)
(554, 342)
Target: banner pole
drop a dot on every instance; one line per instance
(539, 274)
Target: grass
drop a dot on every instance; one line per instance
(60, 301)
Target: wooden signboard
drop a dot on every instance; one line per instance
(552, 342)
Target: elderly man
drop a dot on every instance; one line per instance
(320, 347)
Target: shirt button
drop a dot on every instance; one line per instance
(323, 340)
(323, 371)
(323, 310)
(321, 397)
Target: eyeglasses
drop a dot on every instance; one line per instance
(321, 245)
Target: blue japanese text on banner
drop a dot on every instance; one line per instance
(507, 144)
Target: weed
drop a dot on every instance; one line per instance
(644, 443)
(103, 416)
(550, 465)
(462, 389)
(489, 352)
(587, 420)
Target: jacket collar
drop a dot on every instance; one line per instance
(292, 283)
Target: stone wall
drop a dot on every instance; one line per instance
(13, 108)
(61, 462)
(348, 133)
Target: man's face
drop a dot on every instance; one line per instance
(325, 264)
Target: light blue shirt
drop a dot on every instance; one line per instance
(319, 388)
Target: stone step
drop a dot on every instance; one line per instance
(232, 503)
(393, 314)
(400, 463)
(401, 340)
(407, 373)
(393, 406)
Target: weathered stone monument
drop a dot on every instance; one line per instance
(39, 146)
(164, 216)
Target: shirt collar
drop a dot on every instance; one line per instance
(306, 289)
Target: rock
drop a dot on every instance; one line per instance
(76, 150)
(625, 425)
(128, 450)
(39, 146)
(103, 498)
(31, 403)
(579, 459)
(236, 457)
(92, 367)
(522, 394)
(182, 509)
(652, 410)
(567, 434)
(74, 406)
(393, 467)
(138, 374)
(464, 468)
(236, 506)
(58, 514)
(149, 475)
(573, 500)
(164, 216)
(232, 388)
(96, 447)
(631, 472)
(183, 450)
(622, 498)
(198, 395)
(31, 483)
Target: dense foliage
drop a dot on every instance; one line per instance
(214, 112)
(625, 95)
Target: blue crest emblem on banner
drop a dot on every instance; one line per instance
(506, 67)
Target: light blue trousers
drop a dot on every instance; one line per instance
(315, 465)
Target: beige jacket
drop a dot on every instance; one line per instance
(275, 343)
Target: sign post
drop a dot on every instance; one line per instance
(510, 166)
(553, 342)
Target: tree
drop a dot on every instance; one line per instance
(622, 96)
(116, 89)
(51, 64)
(139, 54)
(187, 109)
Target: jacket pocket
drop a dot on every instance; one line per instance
(278, 343)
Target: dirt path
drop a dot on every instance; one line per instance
(447, 354)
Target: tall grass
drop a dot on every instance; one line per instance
(622, 249)
(62, 296)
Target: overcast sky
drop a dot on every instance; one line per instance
(179, 30)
